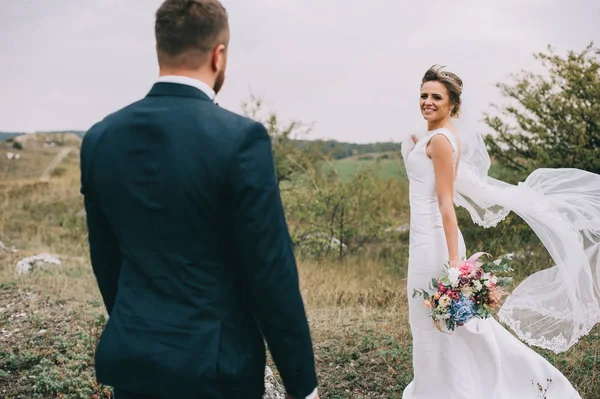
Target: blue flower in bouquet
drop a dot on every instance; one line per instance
(462, 310)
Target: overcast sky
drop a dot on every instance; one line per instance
(350, 67)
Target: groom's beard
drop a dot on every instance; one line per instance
(219, 82)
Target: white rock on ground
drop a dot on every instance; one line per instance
(26, 265)
(273, 390)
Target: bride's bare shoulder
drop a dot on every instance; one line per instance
(454, 132)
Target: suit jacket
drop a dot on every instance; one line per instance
(191, 251)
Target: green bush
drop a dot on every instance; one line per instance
(553, 117)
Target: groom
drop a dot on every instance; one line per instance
(187, 234)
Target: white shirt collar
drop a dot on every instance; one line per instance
(185, 80)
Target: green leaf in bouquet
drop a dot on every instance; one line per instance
(445, 281)
(488, 267)
(426, 295)
(434, 283)
(450, 324)
(483, 312)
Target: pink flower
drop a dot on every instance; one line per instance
(465, 269)
(441, 287)
(428, 304)
(453, 294)
(477, 273)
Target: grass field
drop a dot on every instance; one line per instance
(384, 166)
(50, 320)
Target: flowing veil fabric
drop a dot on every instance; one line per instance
(555, 307)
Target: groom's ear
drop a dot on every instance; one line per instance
(219, 56)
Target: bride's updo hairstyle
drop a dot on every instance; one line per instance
(451, 81)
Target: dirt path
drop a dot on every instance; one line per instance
(62, 154)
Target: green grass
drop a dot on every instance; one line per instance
(385, 169)
(392, 167)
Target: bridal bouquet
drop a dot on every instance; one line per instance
(473, 289)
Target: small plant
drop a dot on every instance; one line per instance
(540, 390)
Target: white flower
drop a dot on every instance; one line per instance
(487, 283)
(468, 291)
(444, 301)
(497, 262)
(453, 276)
(477, 285)
(494, 279)
(509, 256)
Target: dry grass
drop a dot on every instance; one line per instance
(34, 159)
(50, 319)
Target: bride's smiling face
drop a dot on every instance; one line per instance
(435, 101)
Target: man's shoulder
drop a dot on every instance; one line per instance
(242, 121)
(97, 130)
(237, 125)
(93, 135)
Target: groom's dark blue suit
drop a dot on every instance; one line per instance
(191, 251)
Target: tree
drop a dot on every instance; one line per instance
(554, 120)
(289, 156)
(327, 215)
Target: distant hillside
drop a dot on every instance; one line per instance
(49, 139)
(79, 133)
(8, 135)
(337, 149)
(341, 150)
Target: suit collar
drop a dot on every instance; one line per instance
(176, 90)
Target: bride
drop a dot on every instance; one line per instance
(551, 309)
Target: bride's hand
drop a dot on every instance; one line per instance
(455, 263)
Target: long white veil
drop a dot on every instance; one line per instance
(555, 307)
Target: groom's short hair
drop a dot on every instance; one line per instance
(187, 30)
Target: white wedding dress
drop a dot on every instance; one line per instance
(481, 359)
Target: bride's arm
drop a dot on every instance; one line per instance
(441, 153)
